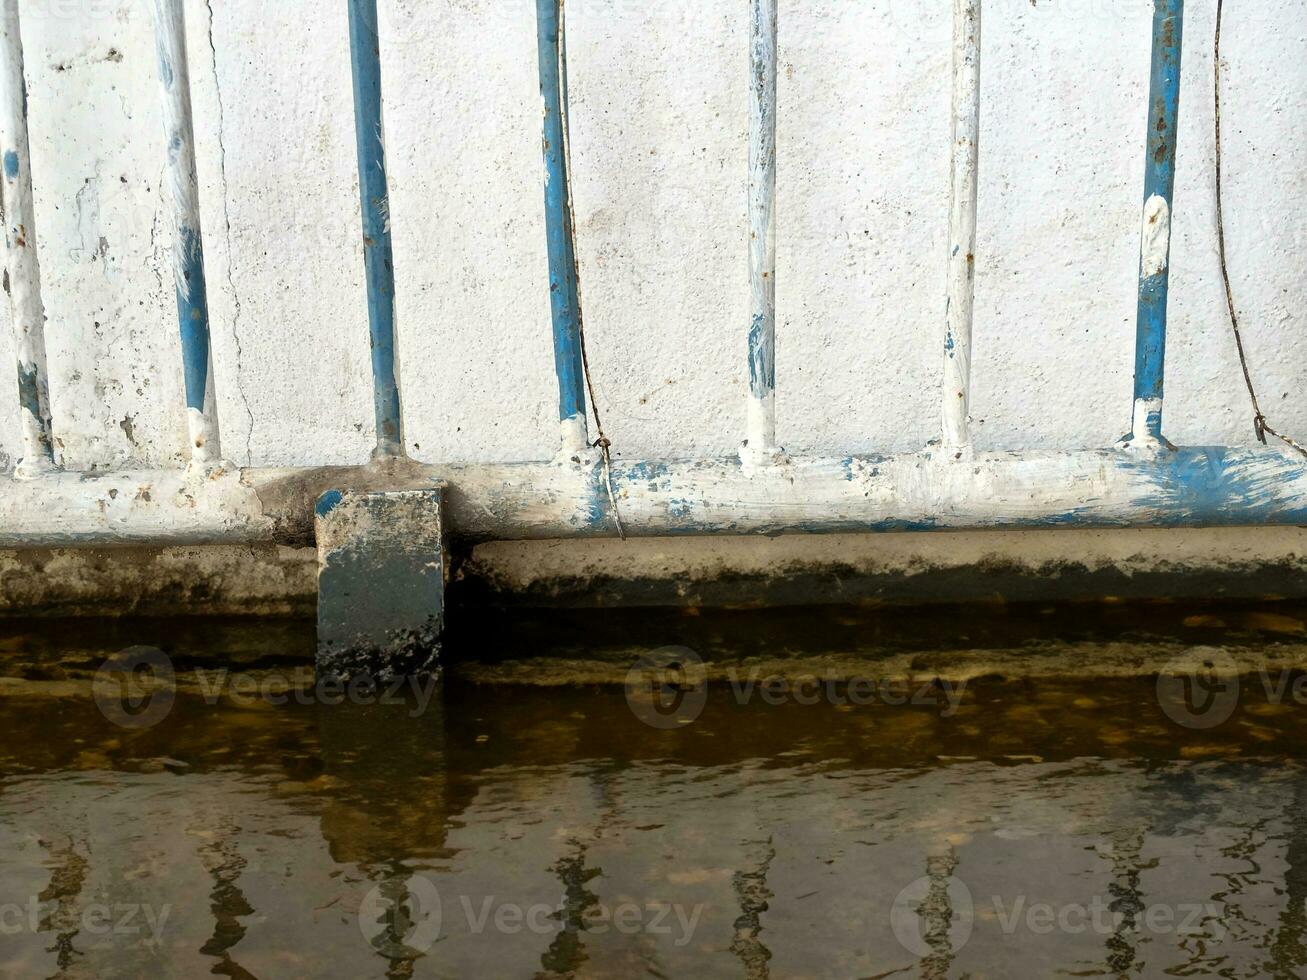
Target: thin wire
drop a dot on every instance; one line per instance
(1260, 425)
(605, 446)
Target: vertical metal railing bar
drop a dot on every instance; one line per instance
(1155, 233)
(378, 257)
(22, 275)
(602, 442)
(564, 290)
(761, 424)
(964, 167)
(188, 243)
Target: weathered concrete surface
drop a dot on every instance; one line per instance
(224, 580)
(885, 568)
(381, 583)
(932, 566)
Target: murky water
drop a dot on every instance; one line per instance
(1021, 828)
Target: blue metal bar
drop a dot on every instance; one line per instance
(1154, 262)
(22, 281)
(564, 291)
(378, 260)
(761, 428)
(188, 242)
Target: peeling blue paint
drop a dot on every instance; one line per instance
(598, 506)
(378, 259)
(166, 75)
(11, 164)
(564, 290)
(640, 472)
(1214, 486)
(28, 398)
(762, 358)
(31, 401)
(679, 508)
(328, 502)
(193, 317)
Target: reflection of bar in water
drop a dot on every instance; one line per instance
(390, 794)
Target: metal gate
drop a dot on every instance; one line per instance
(1142, 481)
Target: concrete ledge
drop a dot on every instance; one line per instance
(204, 580)
(949, 566)
(911, 567)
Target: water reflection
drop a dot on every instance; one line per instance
(563, 838)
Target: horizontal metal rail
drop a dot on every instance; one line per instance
(911, 492)
(762, 491)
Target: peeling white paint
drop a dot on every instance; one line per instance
(574, 434)
(199, 427)
(760, 423)
(1155, 245)
(1140, 438)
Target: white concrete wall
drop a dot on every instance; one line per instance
(659, 145)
